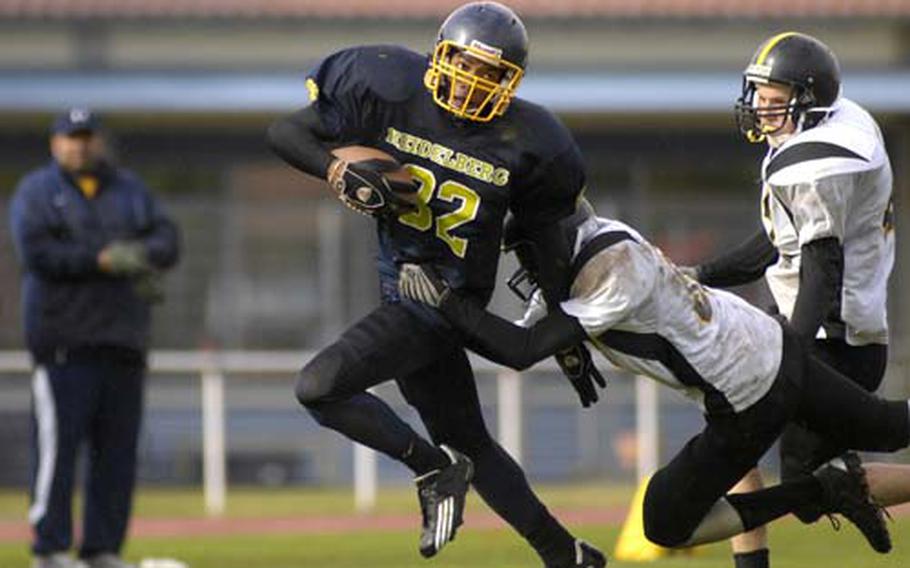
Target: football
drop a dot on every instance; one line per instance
(355, 154)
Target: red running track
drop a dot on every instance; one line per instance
(11, 531)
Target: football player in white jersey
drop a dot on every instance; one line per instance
(827, 244)
(747, 370)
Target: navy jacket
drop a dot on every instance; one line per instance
(67, 302)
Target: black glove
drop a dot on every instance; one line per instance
(421, 284)
(578, 367)
(363, 187)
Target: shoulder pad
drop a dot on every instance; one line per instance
(847, 142)
(594, 246)
(392, 73)
(809, 161)
(538, 125)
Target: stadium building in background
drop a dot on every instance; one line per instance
(272, 261)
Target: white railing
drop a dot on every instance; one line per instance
(213, 366)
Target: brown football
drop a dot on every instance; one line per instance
(355, 154)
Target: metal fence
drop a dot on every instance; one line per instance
(215, 418)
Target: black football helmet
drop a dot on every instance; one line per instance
(487, 31)
(523, 281)
(795, 60)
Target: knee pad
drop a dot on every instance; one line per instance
(664, 524)
(318, 380)
(661, 530)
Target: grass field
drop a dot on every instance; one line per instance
(793, 545)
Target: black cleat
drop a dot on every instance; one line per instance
(846, 491)
(442, 496)
(586, 556)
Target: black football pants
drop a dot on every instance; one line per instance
(807, 391)
(801, 449)
(415, 346)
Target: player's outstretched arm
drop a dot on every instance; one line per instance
(299, 139)
(741, 265)
(493, 337)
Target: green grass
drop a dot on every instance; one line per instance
(793, 545)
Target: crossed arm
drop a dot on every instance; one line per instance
(820, 275)
(743, 264)
(506, 343)
(500, 340)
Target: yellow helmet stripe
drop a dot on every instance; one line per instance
(760, 60)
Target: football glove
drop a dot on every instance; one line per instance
(124, 258)
(422, 284)
(578, 367)
(363, 187)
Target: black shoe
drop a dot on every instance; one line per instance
(442, 495)
(845, 491)
(586, 556)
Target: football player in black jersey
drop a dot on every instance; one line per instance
(474, 151)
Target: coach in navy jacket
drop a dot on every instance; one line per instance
(70, 300)
(92, 242)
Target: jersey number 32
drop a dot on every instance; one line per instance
(467, 200)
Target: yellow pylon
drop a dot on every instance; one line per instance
(632, 545)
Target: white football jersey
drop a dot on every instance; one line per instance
(645, 316)
(834, 180)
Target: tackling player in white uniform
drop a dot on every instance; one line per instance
(826, 248)
(748, 371)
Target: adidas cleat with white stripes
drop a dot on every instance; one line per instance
(442, 497)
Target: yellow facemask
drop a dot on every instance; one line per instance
(442, 77)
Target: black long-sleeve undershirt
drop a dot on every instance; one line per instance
(745, 263)
(508, 344)
(821, 274)
(300, 140)
(553, 260)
